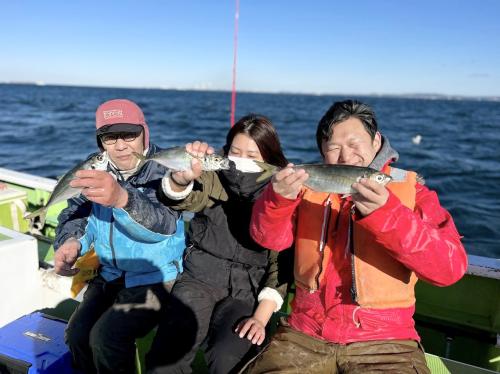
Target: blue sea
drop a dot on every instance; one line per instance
(45, 130)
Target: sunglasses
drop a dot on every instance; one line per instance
(110, 139)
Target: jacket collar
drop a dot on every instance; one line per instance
(385, 155)
(242, 185)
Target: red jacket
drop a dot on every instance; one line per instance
(424, 240)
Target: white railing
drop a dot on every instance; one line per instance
(27, 180)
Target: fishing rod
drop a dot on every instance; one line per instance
(235, 58)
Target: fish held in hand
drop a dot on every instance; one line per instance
(178, 159)
(332, 178)
(63, 191)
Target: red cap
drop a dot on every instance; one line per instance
(121, 112)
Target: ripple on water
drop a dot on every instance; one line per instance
(47, 130)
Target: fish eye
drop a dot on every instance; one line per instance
(100, 157)
(379, 178)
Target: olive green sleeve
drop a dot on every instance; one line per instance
(280, 271)
(206, 191)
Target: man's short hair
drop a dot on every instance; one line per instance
(341, 111)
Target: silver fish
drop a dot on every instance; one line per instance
(63, 191)
(332, 178)
(178, 159)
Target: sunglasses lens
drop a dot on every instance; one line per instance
(112, 138)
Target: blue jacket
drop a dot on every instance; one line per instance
(144, 241)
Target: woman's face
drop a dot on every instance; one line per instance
(245, 147)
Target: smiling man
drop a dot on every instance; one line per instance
(139, 243)
(357, 258)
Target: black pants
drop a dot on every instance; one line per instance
(102, 331)
(216, 315)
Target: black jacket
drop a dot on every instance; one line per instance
(221, 251)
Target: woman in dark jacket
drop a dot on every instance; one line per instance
(229, 282)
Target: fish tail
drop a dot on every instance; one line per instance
(139, 156)
(420, 179)
(42, 213)
(268, 170)
(34, 214)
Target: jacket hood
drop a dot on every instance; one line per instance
(385, 155)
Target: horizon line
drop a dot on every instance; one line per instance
(408, 95)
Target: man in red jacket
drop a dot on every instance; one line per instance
(357, 258)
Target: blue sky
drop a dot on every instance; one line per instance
(321, 46)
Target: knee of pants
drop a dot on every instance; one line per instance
(104, 338)
(225, 363)
(76, 336)
(96, 337)
(224, 355)
(100, 336)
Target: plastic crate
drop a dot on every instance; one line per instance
(34, 344)
(12, 209)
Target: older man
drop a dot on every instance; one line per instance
(139, 243)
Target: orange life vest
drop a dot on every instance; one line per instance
(380, 281)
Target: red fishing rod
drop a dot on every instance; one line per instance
(235, 58)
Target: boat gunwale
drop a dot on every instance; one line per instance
(487, 267)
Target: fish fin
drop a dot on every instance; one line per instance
(42, 213)
(420, 179)
(172, 170)
(139, 156)
(142, 159)
(268, 170)
(34, 214)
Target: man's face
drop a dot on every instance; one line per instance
(121, 151)
(350, 144)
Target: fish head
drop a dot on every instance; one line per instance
(99, 162)
(215, 162)
(224, 163)
(380, 178)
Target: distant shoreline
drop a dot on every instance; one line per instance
(417, 96)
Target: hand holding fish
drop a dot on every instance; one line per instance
(101, 188)
(182, 178)
(370, 196)
(66, 256)
(288, 181)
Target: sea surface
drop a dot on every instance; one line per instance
(46, 130)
